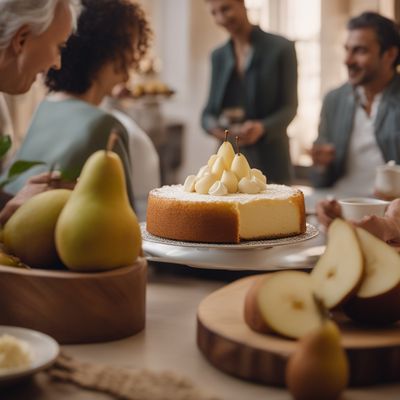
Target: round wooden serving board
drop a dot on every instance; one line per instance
(231, 346)
(75, 307)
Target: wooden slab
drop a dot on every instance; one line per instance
(75, 307)
(228, 343)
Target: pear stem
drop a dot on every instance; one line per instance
(226, 135)
(322, 310)
(111, 140)
(237, 145)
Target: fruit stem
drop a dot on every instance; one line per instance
(111, 140)
(322, 310)
(226, 135)
(237, 145)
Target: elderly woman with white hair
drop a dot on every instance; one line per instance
(32, 34)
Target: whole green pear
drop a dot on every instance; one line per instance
(97, 229)
(29, 233)
(318, 369)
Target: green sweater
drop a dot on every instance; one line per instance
(64, 134)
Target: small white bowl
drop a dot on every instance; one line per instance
(355, 208)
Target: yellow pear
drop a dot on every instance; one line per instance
(212, 160)
(203, 184)
(97, 229)
(218, 167)
(240, 166)
(189, 183)
(229, 179)
(318, 369)
(29, 233)
(10, 261)
(227, 153)
(204, 170)
(258, 174)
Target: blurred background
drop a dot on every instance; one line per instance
(170, 90)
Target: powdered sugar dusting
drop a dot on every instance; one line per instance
(280, 192)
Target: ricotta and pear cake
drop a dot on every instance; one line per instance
(226, 202)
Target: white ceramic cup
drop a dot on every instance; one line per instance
(355, 208)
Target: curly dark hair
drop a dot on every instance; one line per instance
(387, 31)
(107, 30)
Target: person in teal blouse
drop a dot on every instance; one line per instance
(253, 90)
(68, 126)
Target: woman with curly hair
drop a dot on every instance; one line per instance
(68, 126)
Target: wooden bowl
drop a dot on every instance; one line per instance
(75, 307)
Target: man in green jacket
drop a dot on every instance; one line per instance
(253, 90)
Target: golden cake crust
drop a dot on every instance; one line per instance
(174, 214)
(193, 222)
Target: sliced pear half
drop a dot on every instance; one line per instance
(282, 303)
(339, 271)
(378, 298)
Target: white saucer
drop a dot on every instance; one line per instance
(44, 351)
(294, 254)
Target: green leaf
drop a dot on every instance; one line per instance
(21, 166)
(5, 145)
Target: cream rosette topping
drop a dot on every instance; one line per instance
(226, 172)
(218, 189)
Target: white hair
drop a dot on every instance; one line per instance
(37, 14)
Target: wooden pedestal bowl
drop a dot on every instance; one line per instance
(75, 307)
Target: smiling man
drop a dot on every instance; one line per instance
(360, 121)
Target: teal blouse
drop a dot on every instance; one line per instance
(64, 134)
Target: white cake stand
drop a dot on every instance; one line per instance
(257, 255)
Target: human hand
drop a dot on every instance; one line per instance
(323, 154)
(387, 227)
(384, 228)
(35, 185)
(250, 132)
(327, 211)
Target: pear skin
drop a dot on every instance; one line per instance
(203, 184)
(377, 301)
(252, 314)
(240, 166)
(97, 229)
(229, 179)
(29, 233)
(212, 160)
(319, 368)
(218, 167)
(227, 153)
(10, 261)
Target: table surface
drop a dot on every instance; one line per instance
(169, 343)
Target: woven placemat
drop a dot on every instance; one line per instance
(124, 383)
